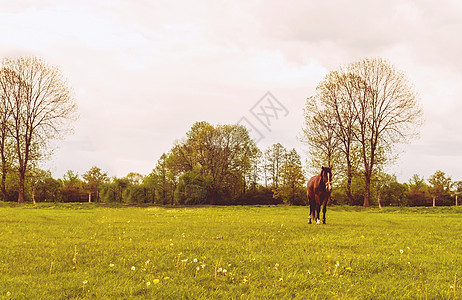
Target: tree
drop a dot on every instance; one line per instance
(291, 188)
(418, 191)
(330, 123)
(43, 186)
(275, 156)
(390, 191)
(40, 105)
(440, 187)
(457, 191)
(219, 156)
(71, 186)
(165, 176)
(94, 178)
(6, 145)
(373, 108)
(387, 111)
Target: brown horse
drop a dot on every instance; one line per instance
(319, 188)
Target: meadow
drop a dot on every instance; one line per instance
(80, 251)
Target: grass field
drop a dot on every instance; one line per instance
(84, 251)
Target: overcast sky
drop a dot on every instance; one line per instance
(144, 71)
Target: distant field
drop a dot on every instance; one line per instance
(84, 251)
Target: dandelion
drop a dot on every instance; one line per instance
(8, 294)
(281, 279)
(198, 268)
(166, 278)
(111, 265)
(148, 283)
(171, 244)
(203, 266)
(401, 251)
(156, 281)
(184, 260)
(85, 282)
(276, 266)
(133, 268)
(224, 271)
(220, 270)
(195, 260)
(337, 264)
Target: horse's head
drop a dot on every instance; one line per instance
(326, 177)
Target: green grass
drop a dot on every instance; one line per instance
(84, 251)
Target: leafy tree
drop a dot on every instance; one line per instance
(457, 191)
(44, 188)
(71, 187)
(94, 178)
(440, 187)
(291, 189)
(275, 156)
(149, 184)
(165, 176)
(218, 157)
(390, 191)
(418, 191)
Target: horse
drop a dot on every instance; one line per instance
(319, 188)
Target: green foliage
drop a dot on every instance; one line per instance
(94, 178)
(211, 165)
(77, 251)
(440, 186)
(291, 187)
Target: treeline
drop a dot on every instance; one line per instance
(211, 165)
(221, 165)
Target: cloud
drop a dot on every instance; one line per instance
(144, 71)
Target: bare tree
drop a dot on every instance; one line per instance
(335, 116)
(387, 113)
(5, 137)
(41, 106)
(367, 107)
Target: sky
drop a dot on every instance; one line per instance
(143, 72)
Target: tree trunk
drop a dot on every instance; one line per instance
(4, 192)
(33, 195)
(89, 197)
(4, 171)
(21, 186)
(349, 178)
(434, 201)
(367, 189)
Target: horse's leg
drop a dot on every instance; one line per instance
(324, 208)
(318, 214)
(311, 210)
(318, 211)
